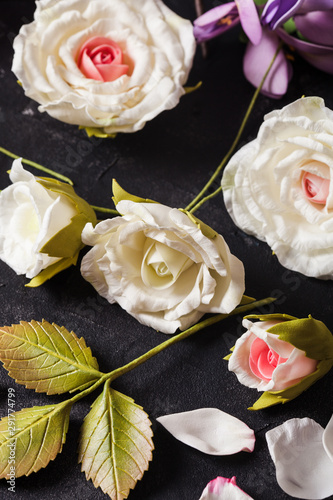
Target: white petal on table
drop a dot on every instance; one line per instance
(210, 430)
(222, 488)
(303, 468)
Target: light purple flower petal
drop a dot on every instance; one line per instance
(256, 61)
(316, 27)
(320, 56)
(276, 12)
(216, 21)
(250, 20)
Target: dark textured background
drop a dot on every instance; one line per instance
(169, 161)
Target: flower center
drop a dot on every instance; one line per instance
(162, 265)
(101, 59)
(263, 360)
(315, 188)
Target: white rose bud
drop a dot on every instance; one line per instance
(40, 225)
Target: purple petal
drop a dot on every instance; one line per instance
(316, 27)
(320, 56)
(310, 5)
(256, 61)
(276, 12)
(250, 20)
(216, 21)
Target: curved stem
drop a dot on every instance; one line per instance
(38, 166)
(194, 205)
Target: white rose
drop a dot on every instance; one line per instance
(40, 223)
(160, 267)
(135, 59)
(278, 187)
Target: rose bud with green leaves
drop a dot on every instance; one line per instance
(41, 220)
(281, 355)
(162, 265)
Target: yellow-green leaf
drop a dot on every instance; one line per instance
(120, 194)
(97, 132)
(32, 437)
(52, 270)
(115, 443)
(204, 228)
(47, 358)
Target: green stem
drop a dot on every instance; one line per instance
(37, 166)
(110, 376)
(183, 335)
(196, 203)
(105, 210)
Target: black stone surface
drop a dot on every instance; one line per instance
(169, 161)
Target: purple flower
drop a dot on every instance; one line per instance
(220, 19)
(277, 12)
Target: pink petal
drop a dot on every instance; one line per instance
(249, 20)
(315, 188)
(256, 61)
(223, 488)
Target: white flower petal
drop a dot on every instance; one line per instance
(328, 439)
(210, 430)
(303, 468)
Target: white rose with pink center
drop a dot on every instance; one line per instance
(106, 65)
(278, 187)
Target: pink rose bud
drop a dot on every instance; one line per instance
(101, 59)
(315, 188)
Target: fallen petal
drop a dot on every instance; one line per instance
(303, 468)
(210, 430)
(328, 439)
(223, 488)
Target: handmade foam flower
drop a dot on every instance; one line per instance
(223, 488)
(223, 17)
(281, 355)
(107, 66)
(161, 264)
(309, 30)
(278, 187)
(302, 452)
(41, 221)
(210, 430)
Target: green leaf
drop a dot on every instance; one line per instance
(115, 443)
(47, 358)
(120, 194)
(52, 270)
(189, 90)
(97, 132)
(32, 437)
(269, 317)
(307, 334)
(204, 228)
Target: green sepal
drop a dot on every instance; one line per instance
(67, 241)
(268, 317)
(247, 300)
(204, 228)
(97, 132)
(52, 270)
(271, 398)
(189, 90)
(307, 334)
(119, 194)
